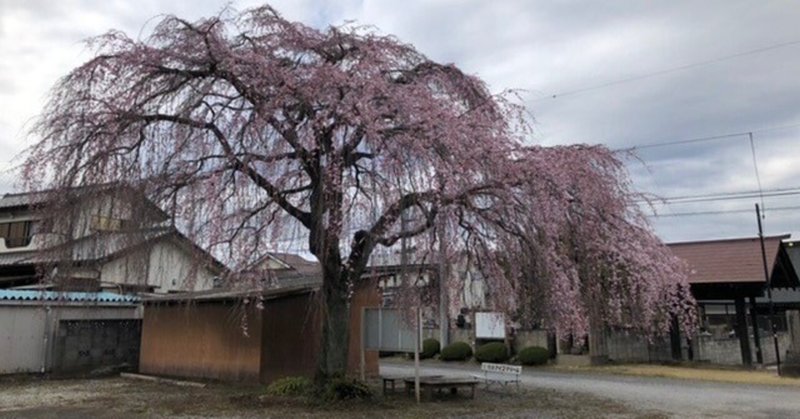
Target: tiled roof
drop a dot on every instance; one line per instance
(95, 297)
(22, 199)
(298, 263)
(231, 294)
(16, 258)
(726, 261)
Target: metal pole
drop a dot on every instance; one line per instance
(416, 352)
(417, 314)
(444, 318)
(363, 344)
(769, 291)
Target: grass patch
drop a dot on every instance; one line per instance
(694, 372)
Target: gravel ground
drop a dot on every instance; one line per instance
(672, 397)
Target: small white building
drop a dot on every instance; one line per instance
(54, 332)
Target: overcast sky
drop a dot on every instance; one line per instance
(545, 48)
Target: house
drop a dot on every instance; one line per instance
(280, 270)
(727, 278)
(70, 275)
(101, 238)
(252, 335)
(67, 332)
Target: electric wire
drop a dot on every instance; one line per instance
(718, 212)
(656, 73)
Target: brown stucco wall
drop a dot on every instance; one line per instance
(203, 340)
(291, 337)
(366, 295)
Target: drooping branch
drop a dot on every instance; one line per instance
(251, 130)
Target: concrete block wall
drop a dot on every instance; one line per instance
(525, 338)
(629, 347)
(727, 351)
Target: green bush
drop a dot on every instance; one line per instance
(533, 355)
(290, 386)
(346, 389)
(430, 347)
(456, 351)
(492, 352)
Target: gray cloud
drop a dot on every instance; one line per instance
(544, 48)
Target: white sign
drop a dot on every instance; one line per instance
(490, 325)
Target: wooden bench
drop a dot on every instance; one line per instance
(428, 384)
(502, 374)
(390, 380)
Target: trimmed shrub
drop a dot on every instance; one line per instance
(346, 389)
(456, 351)
(430, 347)
(492, 352)
(290, 386)
(533, 355)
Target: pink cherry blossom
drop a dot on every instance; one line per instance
(250, 129)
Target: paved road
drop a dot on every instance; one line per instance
(678, 398)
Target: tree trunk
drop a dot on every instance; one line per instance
(333, 353)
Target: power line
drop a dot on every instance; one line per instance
(708, 138)
(734, 211)
(665, 71)
(724, 196)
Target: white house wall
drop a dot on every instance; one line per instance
(130, 269)
(165, 266)
(173, 269)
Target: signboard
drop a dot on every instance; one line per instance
(384, 330)
(489, 325)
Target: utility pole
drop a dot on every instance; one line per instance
(769, 291)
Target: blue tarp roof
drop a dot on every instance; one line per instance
(104, 297)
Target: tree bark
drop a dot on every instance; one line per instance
(333, 353)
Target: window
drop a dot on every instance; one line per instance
(102, 223)
(16, 234)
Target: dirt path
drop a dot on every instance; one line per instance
(673, 397)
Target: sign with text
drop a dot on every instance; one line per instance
(489, 325)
